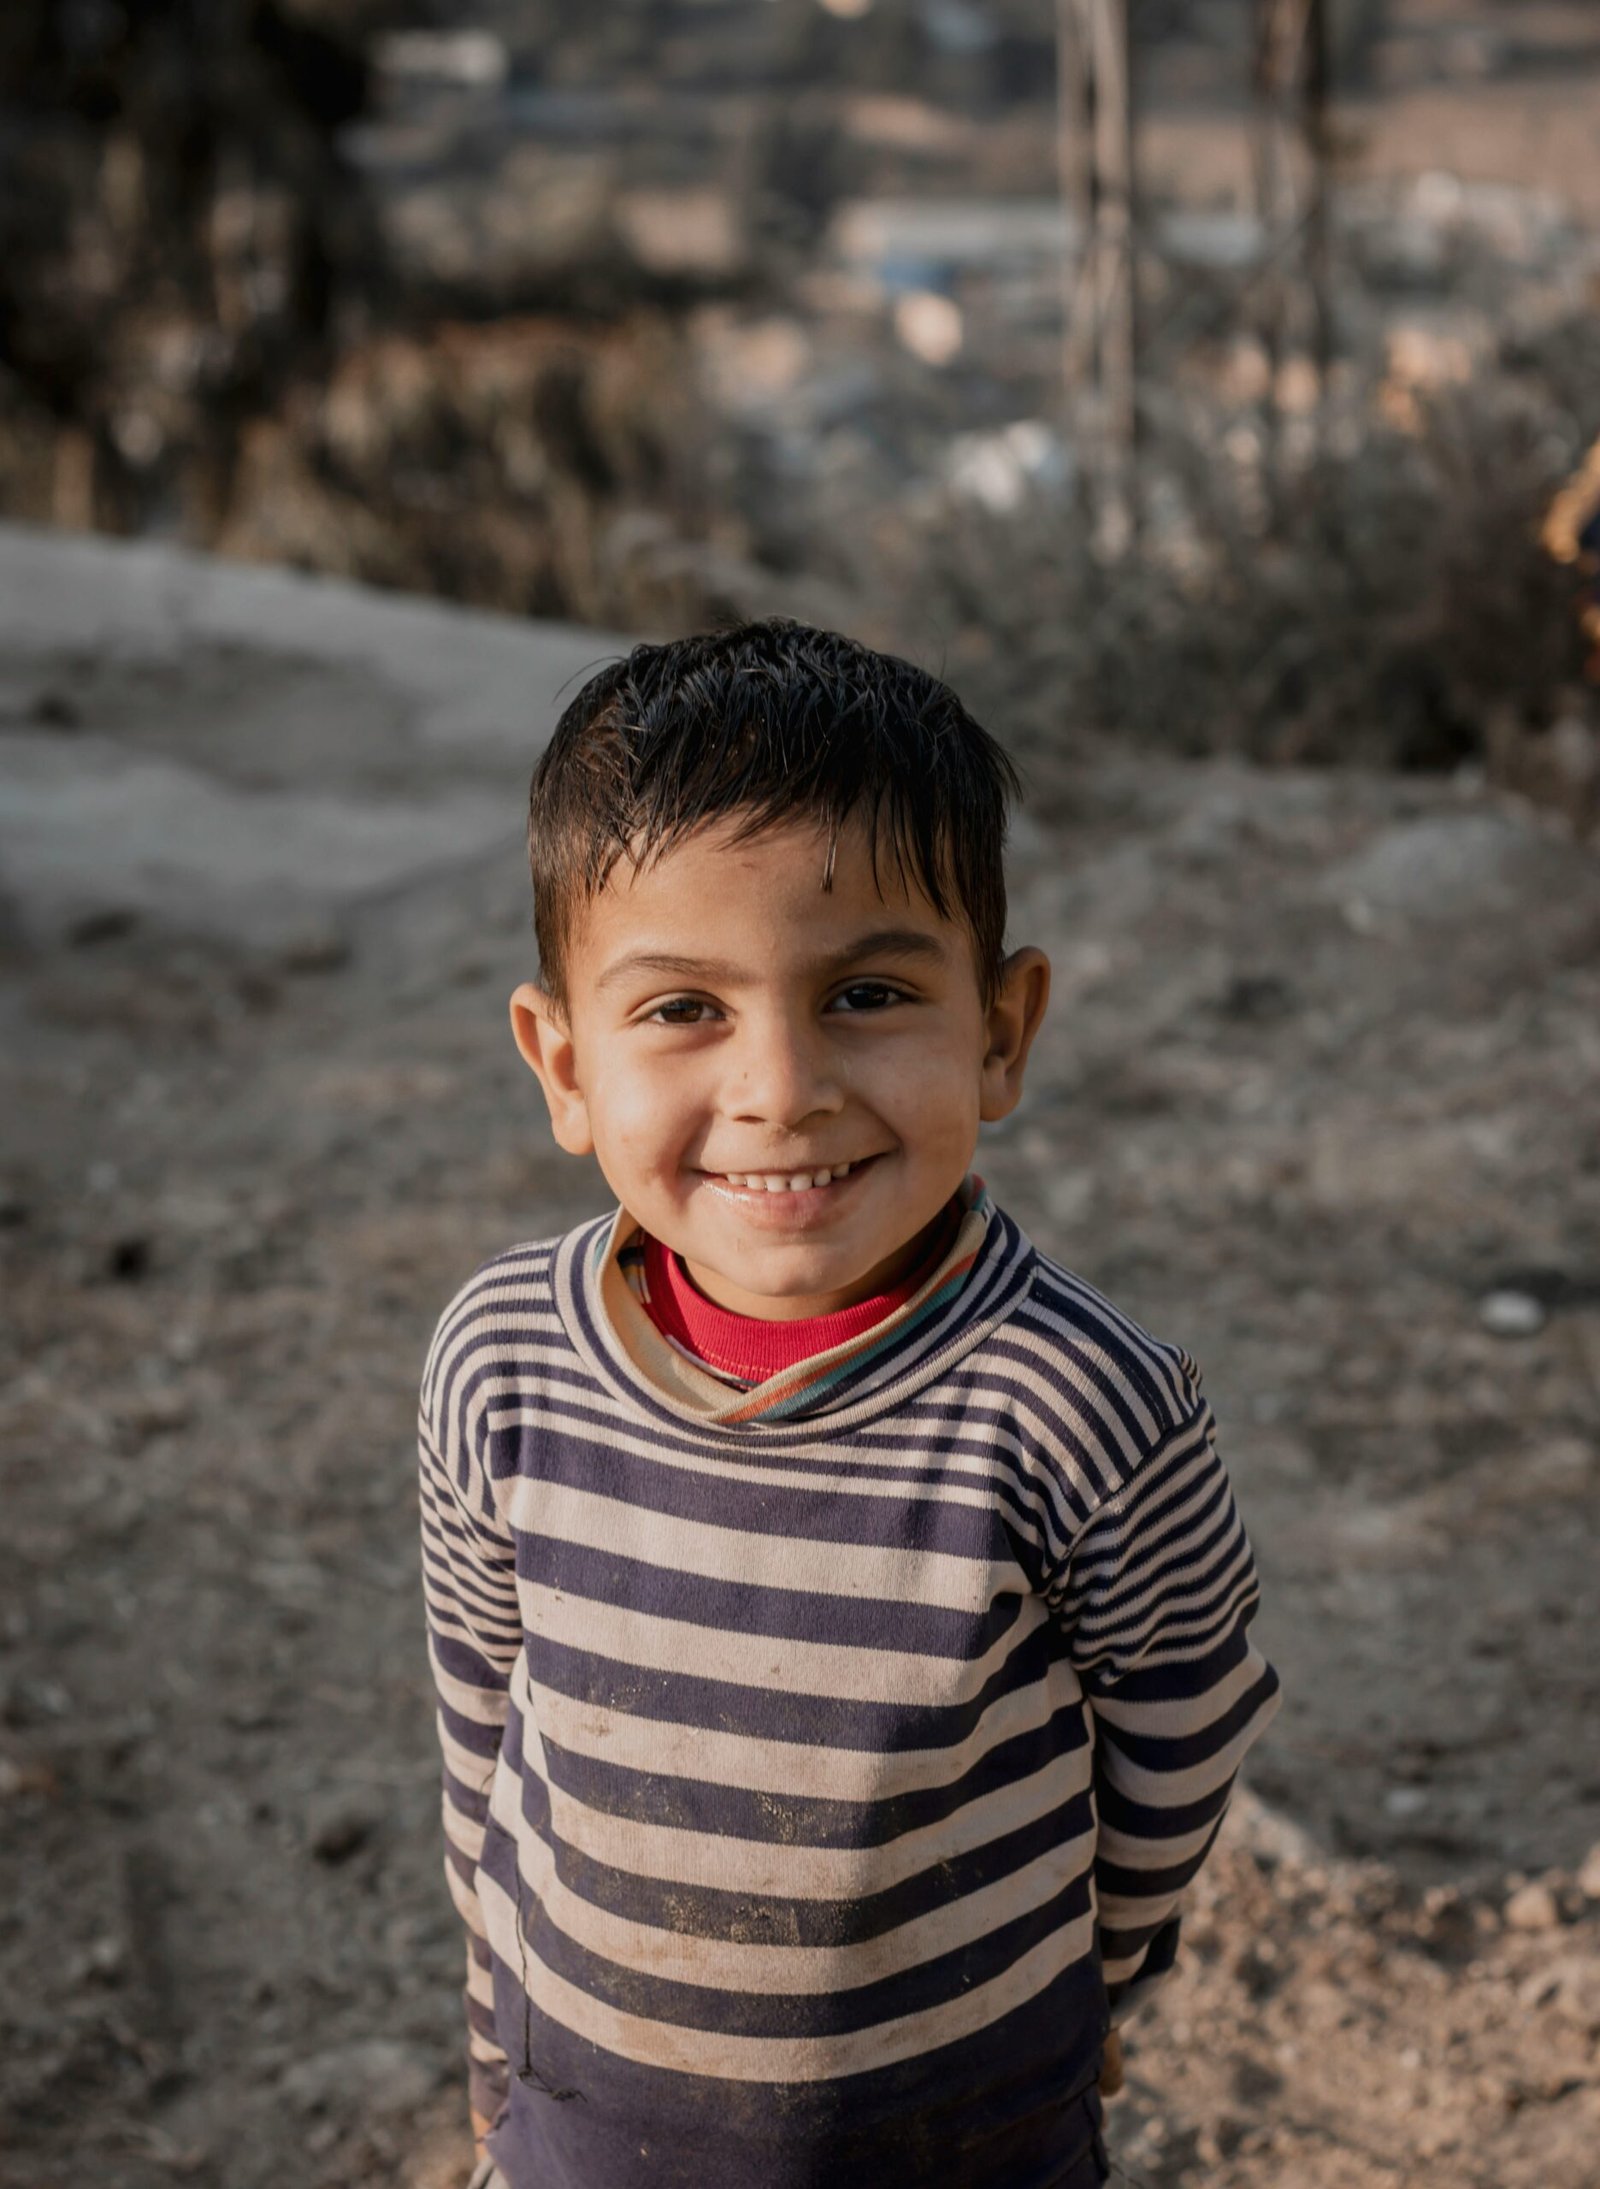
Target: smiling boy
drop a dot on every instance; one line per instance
(839, 1611)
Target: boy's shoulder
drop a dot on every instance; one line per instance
(1087, 1323)
(509, 1274)
(1099, 1387)
(506, 1311)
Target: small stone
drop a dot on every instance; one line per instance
(1571, 1985)
(56, 711)
(1532, 1908)
(155, 1413)
(102, 1961)
(1507, 1314)
(128, 1259)
(107, 923)
(18, 1779)
(340, 1830)
(315, 950)
(375, 2077)
(1405, 1801)
(1565, 1464)
(1257, 996)
(1589, 1873)
(33, 1702)
(252, 1717)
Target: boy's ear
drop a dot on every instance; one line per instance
(1014, 1019)
(539, 1029)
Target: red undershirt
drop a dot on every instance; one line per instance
(750, 1346)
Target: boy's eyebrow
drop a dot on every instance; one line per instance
(883, 942)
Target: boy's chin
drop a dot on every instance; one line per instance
(784, 1281)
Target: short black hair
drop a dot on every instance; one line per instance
(771, 721)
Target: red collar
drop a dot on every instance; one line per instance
(754, 1348)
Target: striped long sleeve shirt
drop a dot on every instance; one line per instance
(823, 1762)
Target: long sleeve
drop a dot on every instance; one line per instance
(474, 1633)
(1160, 1591)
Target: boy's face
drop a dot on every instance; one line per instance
(735, 1034)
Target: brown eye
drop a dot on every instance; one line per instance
(681, 1011)
(867, 995)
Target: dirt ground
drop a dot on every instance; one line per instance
(1318, 1099)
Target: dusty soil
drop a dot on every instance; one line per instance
(1320, 1079)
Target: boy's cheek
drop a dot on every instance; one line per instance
(636, 1131)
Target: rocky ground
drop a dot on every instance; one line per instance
(1318, 1098)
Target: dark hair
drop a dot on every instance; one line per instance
(772, 721)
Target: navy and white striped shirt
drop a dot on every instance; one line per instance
(819, 1783)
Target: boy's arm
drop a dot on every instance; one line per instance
(474, 1633)
(1160, 1590)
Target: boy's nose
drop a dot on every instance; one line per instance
(782, 1075)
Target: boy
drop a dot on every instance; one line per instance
(839, 1611)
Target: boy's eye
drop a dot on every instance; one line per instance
(867, 995)
(681, 1011)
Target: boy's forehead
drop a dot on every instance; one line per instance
(790, 892)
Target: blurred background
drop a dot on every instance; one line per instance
(1209, 389)
(650, 314)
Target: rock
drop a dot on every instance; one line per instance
(1511, 1314)
(155, 1413)
(106, 923)
(103, 1961)
(128, 1258)
(374, 2078)
(1532, 1907)
(1565, 1464)
(1588, 1879)
(315, 950)
(1258, 997)
(339, 1829)
(20, 1778)
(1571, 1985)
(56, 711)
(1464, 869)
(28, 1701)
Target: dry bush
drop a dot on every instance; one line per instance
(1395, 610)
(481, 463)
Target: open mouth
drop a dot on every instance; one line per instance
(813, 1180)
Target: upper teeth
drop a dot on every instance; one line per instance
(786, 1181)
